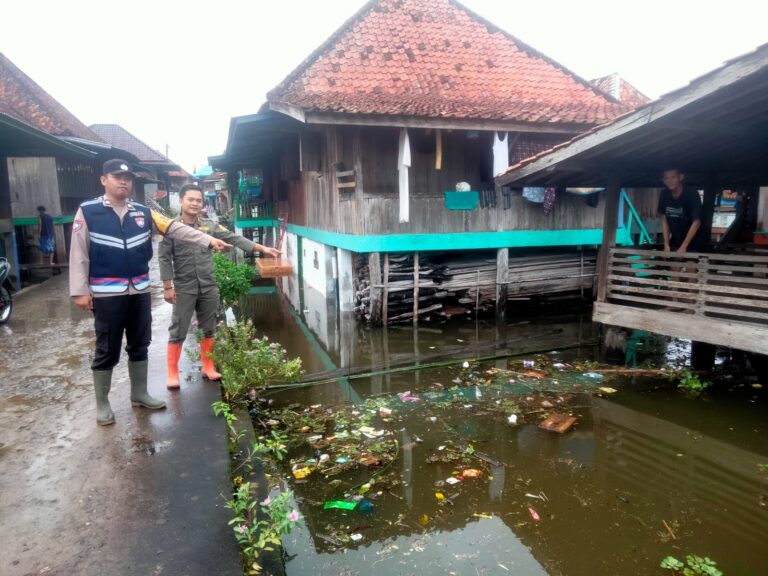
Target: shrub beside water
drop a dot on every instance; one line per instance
(233, 279)
(247, 361)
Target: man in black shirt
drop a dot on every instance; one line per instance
(680, 210)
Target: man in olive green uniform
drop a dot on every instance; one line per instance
(189, 282)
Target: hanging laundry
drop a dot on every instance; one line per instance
(549, 200)
(500, 153)
(534, 194)
(403, 164)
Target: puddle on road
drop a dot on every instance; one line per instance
(644, 473)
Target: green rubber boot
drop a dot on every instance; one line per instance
(102, 382)
(137, 371)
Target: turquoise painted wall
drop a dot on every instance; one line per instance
(453, 241)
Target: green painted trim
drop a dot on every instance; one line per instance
(254, 222)
(262, 290)
(459, 240)
(32, 221)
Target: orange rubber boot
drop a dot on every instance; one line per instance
(209, 370)
(174, 353)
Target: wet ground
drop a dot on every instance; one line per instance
(443, 481)
(128, 499)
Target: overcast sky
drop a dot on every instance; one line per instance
(173, 73)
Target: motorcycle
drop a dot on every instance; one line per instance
(6, 303)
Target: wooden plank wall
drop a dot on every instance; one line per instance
(33, 181)
(371, 207)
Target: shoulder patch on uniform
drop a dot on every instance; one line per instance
(77, 225)
(203, 228)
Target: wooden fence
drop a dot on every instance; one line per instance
(717, 297)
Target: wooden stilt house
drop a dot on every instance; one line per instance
(361, 149)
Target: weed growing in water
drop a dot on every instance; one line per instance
(693, 566)
(691, 383)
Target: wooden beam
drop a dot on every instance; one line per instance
(610, 220)
(415, 287)
(357, 155)
(374, 271)
(738, 335)
(502, 280)
(385, 299)
(444, 123)
(293, 111)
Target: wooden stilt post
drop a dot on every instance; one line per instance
(415, 287)
(385, 299)
(610, 220)
(374, 269)
(502, 280)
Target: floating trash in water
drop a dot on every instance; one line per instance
(472, 473)
(482, 515)
(528, 363)
(302, 473)
(465, 365)
(512, 419)
(407, 397)
(558, 423)
(594, 375)
(339, 505)
(365, 505)
(342, 460)
(534, 514)
(452, 481)
(356, 537)
(607, 390)
(424, 520)
(440, 496)
(384, 411)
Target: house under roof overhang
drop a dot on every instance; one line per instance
(716, 127)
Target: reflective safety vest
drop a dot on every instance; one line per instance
(119, 252)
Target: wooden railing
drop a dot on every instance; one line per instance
(731, 287)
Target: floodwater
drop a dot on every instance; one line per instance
(645, 473)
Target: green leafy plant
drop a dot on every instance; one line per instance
(247, 362)
(233, 279)
(258, 525)
(691, 383)
(222, 408)
(693, 566)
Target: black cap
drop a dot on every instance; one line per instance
(118, 166)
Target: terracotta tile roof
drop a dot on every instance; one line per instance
(615, 86)
(117, 136)
(22, 98)
(435, 58)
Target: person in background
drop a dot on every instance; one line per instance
(109, 275)
(47, 238)
(189, 282)
(680, 211)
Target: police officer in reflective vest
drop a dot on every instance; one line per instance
(109, 274)
(189, 282)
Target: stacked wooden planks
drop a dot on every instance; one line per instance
(455, 284)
